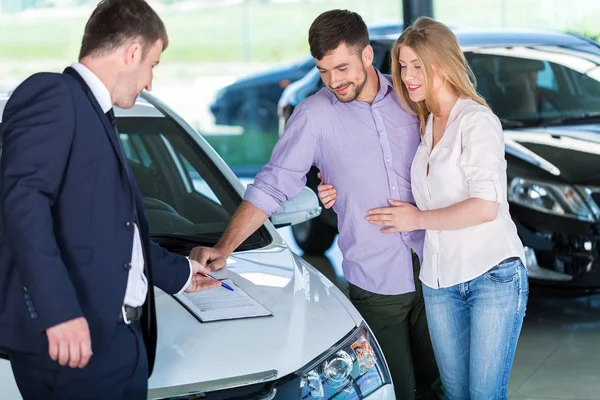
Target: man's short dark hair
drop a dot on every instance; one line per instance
(335, 27)
(114, 22)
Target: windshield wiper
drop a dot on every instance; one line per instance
(586, 117)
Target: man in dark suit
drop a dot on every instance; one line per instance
(76, 263)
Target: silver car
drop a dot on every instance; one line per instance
(314, 346)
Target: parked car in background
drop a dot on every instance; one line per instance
(251, 102)
(545, 88)
(314, 346)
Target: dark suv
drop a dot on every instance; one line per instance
(545, 88)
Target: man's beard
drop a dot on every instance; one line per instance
(352, 96)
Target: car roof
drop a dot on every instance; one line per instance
(142, 107)
(508, 37)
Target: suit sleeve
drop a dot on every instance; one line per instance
(37, 132)
(171, 272)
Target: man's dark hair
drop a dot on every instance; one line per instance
(335, 27)
(114, 22)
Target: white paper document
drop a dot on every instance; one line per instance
(221, 304)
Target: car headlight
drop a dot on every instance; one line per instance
(353, 370)
(551, 198)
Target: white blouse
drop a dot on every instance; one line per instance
(467, 162)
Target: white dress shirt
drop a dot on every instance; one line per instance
(467, 162)
(137, 284)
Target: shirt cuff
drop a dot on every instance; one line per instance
(262, 200)
(487, 190)
(189, 280)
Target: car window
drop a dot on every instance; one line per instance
(588, 82)
(532, 85)
(184, 193)
(199, 183)
(135, 150)
(546, 78)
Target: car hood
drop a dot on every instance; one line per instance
(309, 316)
(564, 154)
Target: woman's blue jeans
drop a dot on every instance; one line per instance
(474, 328)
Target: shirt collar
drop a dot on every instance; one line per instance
(99, 90)
(385, 84)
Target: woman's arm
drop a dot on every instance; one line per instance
(462, 215)
(404, 217)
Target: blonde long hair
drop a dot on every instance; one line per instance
(434, 44)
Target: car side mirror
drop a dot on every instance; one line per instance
(304, 207)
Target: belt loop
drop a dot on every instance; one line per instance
(124, 313)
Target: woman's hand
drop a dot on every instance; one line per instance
(327, 193)
(400, 217)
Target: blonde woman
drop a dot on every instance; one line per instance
(474, 280)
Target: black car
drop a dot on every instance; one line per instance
(251, 102)
(545, 88)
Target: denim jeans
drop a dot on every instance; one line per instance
(474, 328)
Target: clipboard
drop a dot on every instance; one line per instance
(220, 304)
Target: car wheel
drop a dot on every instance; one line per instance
(314, 237)
(258, 117)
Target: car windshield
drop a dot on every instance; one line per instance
(537, 85)
(188, 200)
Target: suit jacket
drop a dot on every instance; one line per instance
(68, 207)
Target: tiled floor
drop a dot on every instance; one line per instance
(558, 356)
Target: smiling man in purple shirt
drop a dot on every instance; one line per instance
(358, 135)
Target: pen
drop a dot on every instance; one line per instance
(226, 286)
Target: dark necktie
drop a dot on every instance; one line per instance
(113, 121)
(110, 114)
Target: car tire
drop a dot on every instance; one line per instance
(314, 237)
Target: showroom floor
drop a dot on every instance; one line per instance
(558, 356)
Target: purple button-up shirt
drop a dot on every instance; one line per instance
(365, 151)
